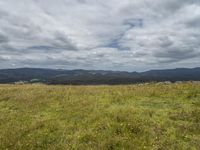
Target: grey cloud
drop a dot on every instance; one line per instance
(3, 39)
(134, 22)
(102, 34)
(2, 59)
(165, 42)
(3, 14)
(195, 22)
(62, 41)
(177, 54)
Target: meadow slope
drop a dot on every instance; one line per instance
(150, 116)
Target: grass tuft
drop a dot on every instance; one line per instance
(149, 116)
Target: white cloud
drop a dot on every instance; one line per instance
(100, 34)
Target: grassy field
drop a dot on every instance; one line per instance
(151, 117)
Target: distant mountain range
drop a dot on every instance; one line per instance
(84, 77)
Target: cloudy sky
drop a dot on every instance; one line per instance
(132, 35)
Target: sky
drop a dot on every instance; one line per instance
(126, 35)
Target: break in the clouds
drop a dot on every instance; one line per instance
(100, 34)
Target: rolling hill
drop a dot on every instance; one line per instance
(84, 77)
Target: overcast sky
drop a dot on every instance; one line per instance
(132, 35)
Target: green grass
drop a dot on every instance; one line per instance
(153, 116)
